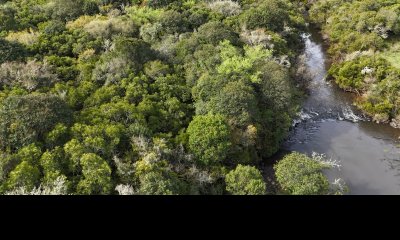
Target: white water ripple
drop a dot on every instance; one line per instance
(348, 114)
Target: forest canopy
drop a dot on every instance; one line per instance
(148, 97)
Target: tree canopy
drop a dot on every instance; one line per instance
(146, 97)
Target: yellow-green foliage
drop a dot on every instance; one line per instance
(104, 26)
(298, 174)
(141, 15)
(26, 37)
(82, 21)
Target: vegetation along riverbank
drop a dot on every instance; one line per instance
(364, 44)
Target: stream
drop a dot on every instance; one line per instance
(368, 152)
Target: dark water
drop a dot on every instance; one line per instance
(329, 124)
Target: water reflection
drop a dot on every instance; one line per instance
(367, 151)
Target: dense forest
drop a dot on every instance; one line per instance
(176, 97)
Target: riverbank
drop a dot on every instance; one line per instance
(331, 125)
(363, 50)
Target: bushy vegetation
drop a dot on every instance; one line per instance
(363, 36)
(299, 174)
(144, 97)
(245, 180)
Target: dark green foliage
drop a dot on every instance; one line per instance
(173, 22)
(66, 10)
(22, 14)
(213, 32)
(65, 67)
(158, 3)
(209, 138)
(238, 102)
(7, 17)
(90, 7)
(270, 14)
(11, 51)
(26, 119)
(157, 183)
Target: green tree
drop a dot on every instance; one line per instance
(275, 86)
(237, 101)
(209, 138)
(58, 136)
(155, 183)
(270, 14)
(245, 180)
(8, 162)
(24, 175)
(26, 119)
(74, 151)
(102, 139)
(7, 17)
(298, 174)
(11, 51)
(128, 56)
(66, 10)
(96, 175)
(173, 22)
(53, 164)
(214, 32)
